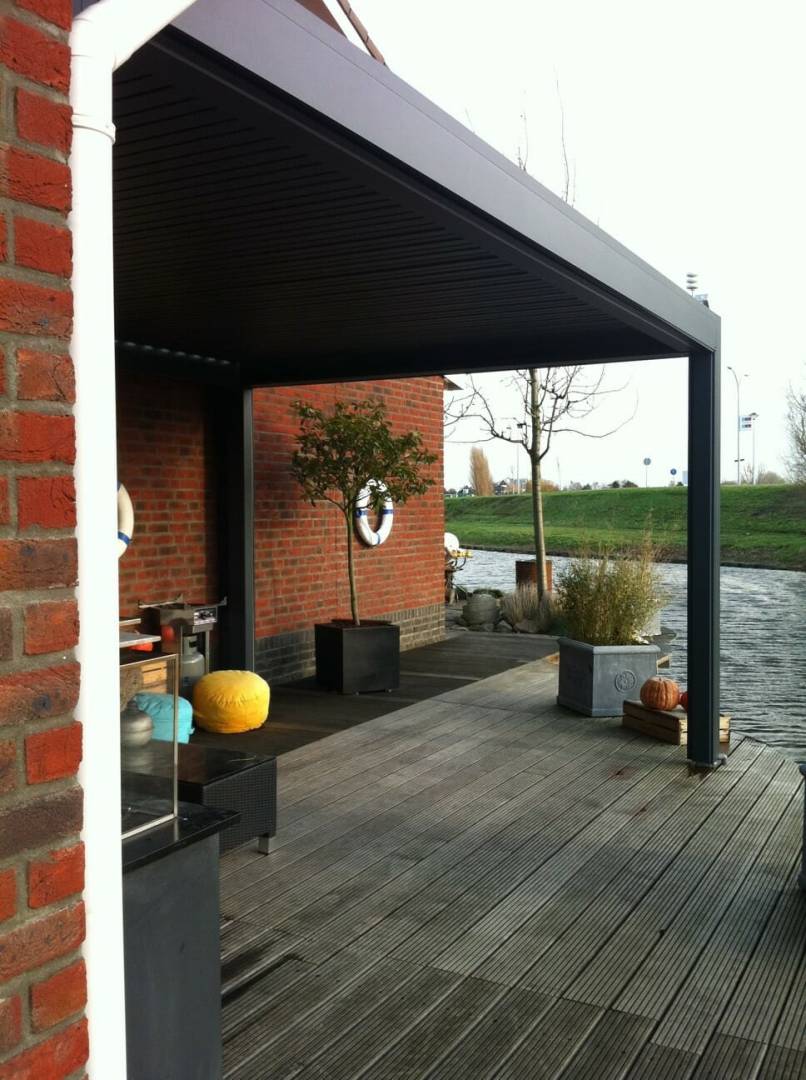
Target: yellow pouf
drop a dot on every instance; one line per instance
(230, 701)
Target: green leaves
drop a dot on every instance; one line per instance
(607, 600)
(338, 453)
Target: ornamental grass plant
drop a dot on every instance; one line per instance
(608, 599)
(525, 605)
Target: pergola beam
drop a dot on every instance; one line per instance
(351, 367)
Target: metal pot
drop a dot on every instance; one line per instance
(136, 727)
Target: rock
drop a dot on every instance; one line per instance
(481, 608)
(504, 628)
(527, 626)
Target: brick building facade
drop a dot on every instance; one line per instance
(167, 459)
(301, 550)
(42, 977)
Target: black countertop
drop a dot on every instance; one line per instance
(193, 824)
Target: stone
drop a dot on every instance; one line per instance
(481, 608)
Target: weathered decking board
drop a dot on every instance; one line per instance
(484, 885)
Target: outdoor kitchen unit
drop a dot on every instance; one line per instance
(185, 629)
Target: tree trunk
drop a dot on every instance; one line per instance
(351, 569)
(537, 494)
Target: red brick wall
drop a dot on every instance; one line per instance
(166, 461)
(42, 986)
(300, 557)
(319, 8)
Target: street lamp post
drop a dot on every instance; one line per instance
(753, 417)
(737, 379)
(522, 432)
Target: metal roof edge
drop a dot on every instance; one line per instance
(291, 49)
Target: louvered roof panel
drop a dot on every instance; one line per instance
(249, 227)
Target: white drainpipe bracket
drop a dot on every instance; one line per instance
(103, 37)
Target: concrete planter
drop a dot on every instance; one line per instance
(595, 679)
(481, 612)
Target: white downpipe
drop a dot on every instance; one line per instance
(102, 38)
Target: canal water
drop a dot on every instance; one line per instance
(763, 644)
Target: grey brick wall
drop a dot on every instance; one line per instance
(283, 657)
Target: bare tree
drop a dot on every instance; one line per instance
(481, 478)
(768, 476)
(549, 402)
(796, 427)
(569, 192)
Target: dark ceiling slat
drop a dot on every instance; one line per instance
(200, 241)
(241, 215)
(310, 289)
(362, 323)
(285, 188)
(337, 261)
(289, 197)
(145, 182)
(140, 245)
(185, 115)
(169, 166)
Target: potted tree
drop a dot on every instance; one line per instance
(604, 603)
(351, 459)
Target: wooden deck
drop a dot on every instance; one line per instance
(483, 885)
(301, 712)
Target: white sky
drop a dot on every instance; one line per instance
(684, 123)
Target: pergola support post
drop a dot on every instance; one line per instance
(233, 409)
(703, 559)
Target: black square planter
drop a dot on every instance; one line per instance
(357, 659)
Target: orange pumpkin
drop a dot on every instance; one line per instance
(660, 693)
(684, 700)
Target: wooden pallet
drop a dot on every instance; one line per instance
(155, 676)
(667, 725)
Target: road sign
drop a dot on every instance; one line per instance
(647, 461)
(673, 472)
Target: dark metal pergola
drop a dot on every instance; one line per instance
(288, 211)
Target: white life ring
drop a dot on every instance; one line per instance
(373, 537)
(125, 519)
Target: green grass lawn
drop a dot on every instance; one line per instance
(761, 526)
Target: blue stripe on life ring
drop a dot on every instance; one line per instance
(386, 511)
(126, 539)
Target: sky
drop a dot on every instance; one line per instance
(684, 128)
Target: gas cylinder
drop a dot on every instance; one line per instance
(192, 666)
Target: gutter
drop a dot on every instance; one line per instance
(103, 37)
